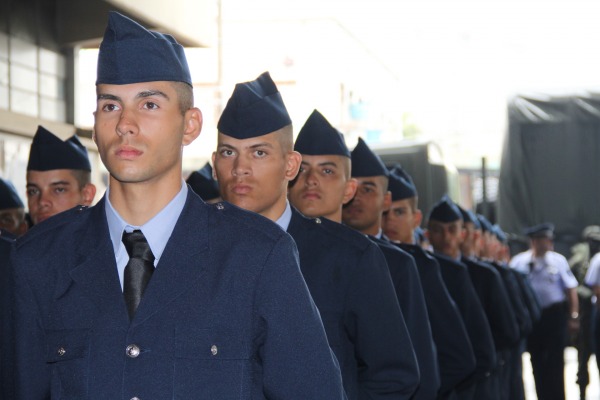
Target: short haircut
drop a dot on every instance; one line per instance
(185, 96)
(82, 177)
(413, 202)
(286, 138)
(347, 165)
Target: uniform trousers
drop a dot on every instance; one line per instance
(546, 346)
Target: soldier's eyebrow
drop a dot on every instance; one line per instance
(328, 164)
(261, 144)
(150, 93)
(140, 95)
(104, 96)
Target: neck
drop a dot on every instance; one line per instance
(454, 254)
(277, 210)
(372, 230)
(539, 254)
(336, 216)
(137, 203)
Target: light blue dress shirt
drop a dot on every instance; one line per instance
(286, 217)
(157, 231)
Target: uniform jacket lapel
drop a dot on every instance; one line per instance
(182, 262)
(96, 272)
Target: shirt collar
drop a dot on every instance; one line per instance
(157, 230)
(286, 217)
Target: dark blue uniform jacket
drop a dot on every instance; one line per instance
(409, 291)
(349, 281)
(457, 280)
(226, 314)
(454, 350)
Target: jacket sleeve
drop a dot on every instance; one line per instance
(296, 361)
(387, 366)
(31, 372)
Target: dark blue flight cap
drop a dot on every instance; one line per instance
(254, 109)
(486, 225)
(367, 163)
(203, 183)
(401, 184)
(318, 137)
(129, 53)
(445, 211)
(545, 230)
(500, 235)
(469, 216)
(8, 196)
(49, 152)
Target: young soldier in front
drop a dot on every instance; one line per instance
(153, 294)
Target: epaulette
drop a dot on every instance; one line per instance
(52, 223)
(346, 234)
(249, 219)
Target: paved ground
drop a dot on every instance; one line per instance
(572, 390)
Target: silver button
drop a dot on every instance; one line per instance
(132, 351)
(220, 206)
(61, 352)
(135, 398)
(318, 220)
(214, 350)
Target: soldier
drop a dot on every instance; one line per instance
(497, 258)
(12, 211)
(58, 175)
(454, 351)
(579, 262)
(555, 286)
(311, 143)
(204, 184)
(346, 273)
(445, 233)
(493, 290)
(152, 293)
(364, 213)
(592, 281)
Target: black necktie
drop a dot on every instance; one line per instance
(138, 270)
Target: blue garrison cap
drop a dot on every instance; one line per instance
(365, 162)
(445, 211)
(8, 196)
(254, 109)
(539, 231)
(500, 235)
(203, 183)
(129, 53)
(401, 184)
(469, 216)
(318, 137)
(49, 152)
(486, 225)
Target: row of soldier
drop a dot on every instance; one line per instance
(153, 293)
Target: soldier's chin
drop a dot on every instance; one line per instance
(41, 218)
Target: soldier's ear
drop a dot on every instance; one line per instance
(350, 190)
(87, 193)
(292, 166)
(418, 218)
(387, 201)
(193, 125)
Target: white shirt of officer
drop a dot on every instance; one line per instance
(550, 275)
